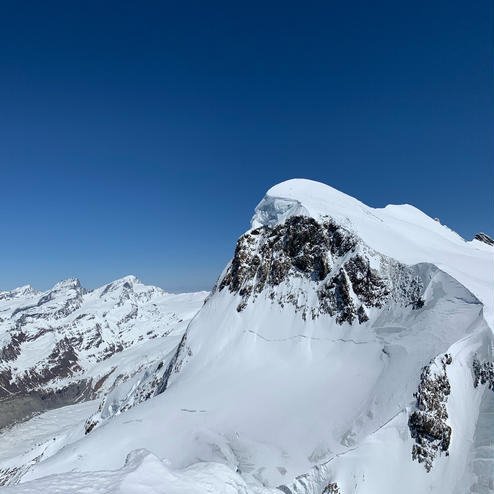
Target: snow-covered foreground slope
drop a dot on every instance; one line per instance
(344, 349)
(143, 473)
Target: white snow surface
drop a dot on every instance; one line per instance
(262, 401)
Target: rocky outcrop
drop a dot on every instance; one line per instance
(427, 423)
(140, 388)
(144, 385)
(348, 278)
(331, 488)
(482, 237)
(483, 373)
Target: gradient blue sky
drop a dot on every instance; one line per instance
(137, 137)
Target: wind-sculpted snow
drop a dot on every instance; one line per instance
(339, 343)
(144, 473)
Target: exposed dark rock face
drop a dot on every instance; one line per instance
(331, 488)
(11, 350)
(484, 238)
(483, 373)
(427, 423)
(328, 255)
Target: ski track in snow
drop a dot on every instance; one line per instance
(305, 337)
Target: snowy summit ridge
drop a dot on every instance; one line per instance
(401, 232)
(305, 198)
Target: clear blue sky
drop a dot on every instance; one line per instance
(137, 137)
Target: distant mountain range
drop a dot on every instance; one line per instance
(69, 344)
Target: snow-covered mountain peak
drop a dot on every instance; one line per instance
(126, 283)
(401, 232)
(307, 198)
(128, 288)
(344, 349)
(67, 284)
(359, 327)
(21, 291)
(310, 198)
(129, 279)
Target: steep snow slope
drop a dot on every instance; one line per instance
(344, 349)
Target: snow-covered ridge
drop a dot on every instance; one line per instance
(403, 232)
